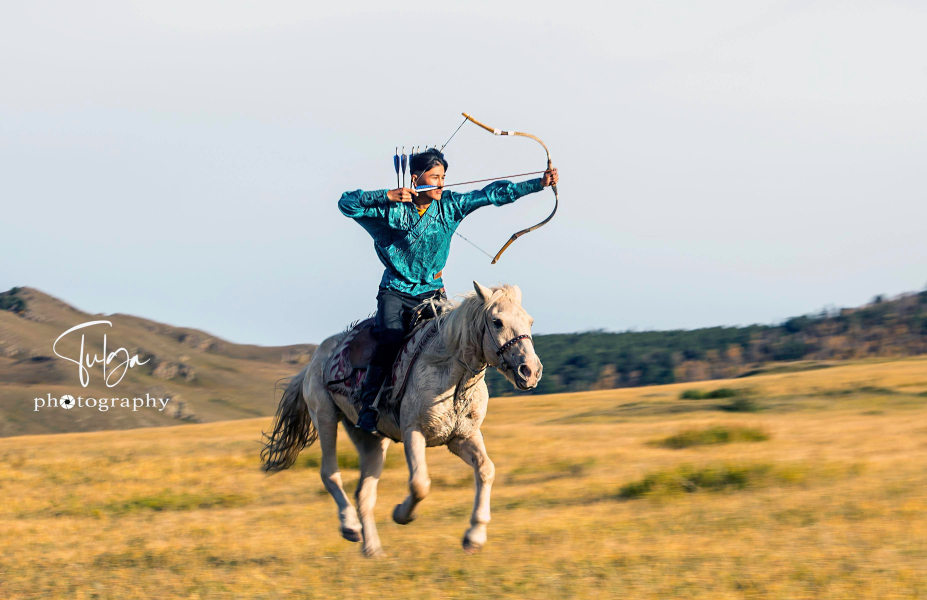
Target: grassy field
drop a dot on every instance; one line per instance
(796, 485)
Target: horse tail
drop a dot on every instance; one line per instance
(293, 428)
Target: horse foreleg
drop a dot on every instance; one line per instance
(473, 452)
(371, 452)
(419, 482)
(327, 425)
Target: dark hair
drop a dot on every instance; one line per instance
(425, 161)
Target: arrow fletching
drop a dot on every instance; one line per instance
(404, 162)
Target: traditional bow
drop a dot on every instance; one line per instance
(400, 162)
(518, 234)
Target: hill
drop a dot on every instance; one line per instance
(205, 377)
(632, 493)
(575, 362)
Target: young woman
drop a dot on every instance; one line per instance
(412, 238)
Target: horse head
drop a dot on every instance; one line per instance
(507, 343)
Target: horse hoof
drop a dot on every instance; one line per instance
(351, 535)
(401, 521)
(471, 547)
(374, 553)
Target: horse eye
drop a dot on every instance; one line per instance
(497, 323)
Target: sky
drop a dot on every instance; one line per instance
(721, 162)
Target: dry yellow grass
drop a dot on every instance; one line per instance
(184, 512)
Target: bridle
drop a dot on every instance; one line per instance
(500, 350)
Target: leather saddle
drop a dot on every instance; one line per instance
(347, 366)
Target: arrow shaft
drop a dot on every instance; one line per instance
(425, 188)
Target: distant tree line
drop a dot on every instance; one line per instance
(600, 360)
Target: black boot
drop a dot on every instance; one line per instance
(367, 417)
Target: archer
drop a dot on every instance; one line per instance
(412, 237)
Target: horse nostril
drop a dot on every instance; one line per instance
(525, 371)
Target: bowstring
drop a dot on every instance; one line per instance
(472, 244)
(479, 181)
(458, 234)
(452, 135)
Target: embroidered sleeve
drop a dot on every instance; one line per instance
(359, 204)
(496, 193)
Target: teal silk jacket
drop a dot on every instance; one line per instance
(414, 249)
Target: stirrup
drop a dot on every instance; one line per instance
(376, 419)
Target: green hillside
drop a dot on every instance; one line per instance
(599, 360)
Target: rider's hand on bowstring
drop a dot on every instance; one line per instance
(550, 177)
(401, 195)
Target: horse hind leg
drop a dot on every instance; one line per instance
(371, 452)
(327, 424)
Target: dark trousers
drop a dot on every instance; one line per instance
(394, 316)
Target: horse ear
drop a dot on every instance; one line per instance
(516, 292)
(482, 291)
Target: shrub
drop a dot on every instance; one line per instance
(11, 302)
(687, 479)
(797, 324)
(866, 389)
(790, 350)
(718, 434)
(741, 405)
(693, 394)
(872, 389)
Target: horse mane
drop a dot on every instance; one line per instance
(460, 326)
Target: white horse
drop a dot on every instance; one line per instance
(444, 403)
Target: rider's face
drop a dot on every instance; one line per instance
(433, 176)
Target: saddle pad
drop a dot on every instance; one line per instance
(343, 377)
